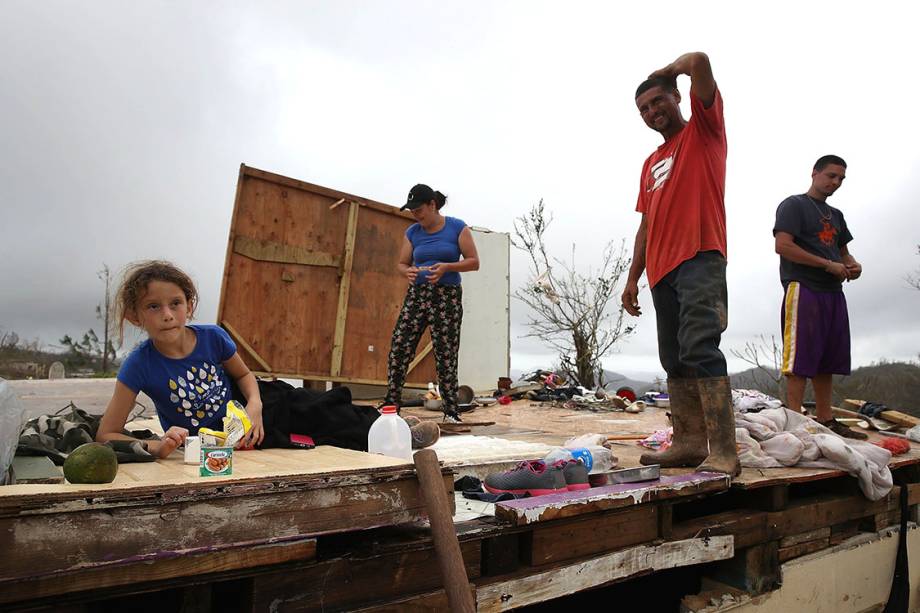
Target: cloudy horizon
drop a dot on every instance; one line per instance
(125, 124)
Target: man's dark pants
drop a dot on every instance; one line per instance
(691, 308)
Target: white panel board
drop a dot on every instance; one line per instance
(485, 338)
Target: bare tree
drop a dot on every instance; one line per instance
(766, 356)
(569, 311)
(105, 313)
(914, 279)
(90, 348)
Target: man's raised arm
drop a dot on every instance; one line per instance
(697, 66)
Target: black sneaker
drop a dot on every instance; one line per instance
(838, 428)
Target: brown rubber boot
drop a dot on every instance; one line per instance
(716, 400)
(688, 445)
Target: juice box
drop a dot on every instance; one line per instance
(216, 461)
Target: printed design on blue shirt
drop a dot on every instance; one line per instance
(199, 394)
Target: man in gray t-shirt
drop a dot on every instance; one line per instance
(811, 239)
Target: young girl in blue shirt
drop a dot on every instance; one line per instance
(185, 369)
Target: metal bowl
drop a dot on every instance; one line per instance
(434, 405)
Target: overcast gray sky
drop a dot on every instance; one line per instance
(123, 126)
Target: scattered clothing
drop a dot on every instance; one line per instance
(897, 446)
(843, 430)
(752, 401)
(659, 440)
(468, 484)
(872, 409)
(493, 498)
(328, 417)
(775, 438)
(56, 436)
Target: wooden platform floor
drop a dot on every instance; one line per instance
(538, 423)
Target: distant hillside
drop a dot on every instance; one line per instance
(895, 384)
(612, 381)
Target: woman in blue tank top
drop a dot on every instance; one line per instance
(435, 250)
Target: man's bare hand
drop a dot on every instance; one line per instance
(855, 270)
(838, 270)
(630, 299)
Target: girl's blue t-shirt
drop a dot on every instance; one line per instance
(190, 392)
(440, 246)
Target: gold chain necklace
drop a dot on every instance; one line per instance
(824, 216)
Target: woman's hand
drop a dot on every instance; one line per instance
(411, 273)
(256, 434)
(436, 271)
(174, 437)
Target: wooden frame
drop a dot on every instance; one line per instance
(310, 288)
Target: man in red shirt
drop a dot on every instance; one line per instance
(680, 244)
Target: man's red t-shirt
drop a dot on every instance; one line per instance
(682, 192)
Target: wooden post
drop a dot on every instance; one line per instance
(338, 342)
(450, 560)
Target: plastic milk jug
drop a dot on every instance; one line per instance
(390, 435)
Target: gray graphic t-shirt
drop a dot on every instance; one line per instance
(818, 228)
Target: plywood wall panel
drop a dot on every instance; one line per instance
(280, 293)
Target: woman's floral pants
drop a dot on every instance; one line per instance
(439, 307)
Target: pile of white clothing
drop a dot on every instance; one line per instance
(778, 437)
(746, 401)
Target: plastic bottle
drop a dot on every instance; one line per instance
(390, 435)
(595, 458)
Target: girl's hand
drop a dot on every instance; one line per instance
(436, 271)
(174, 437)
(411, 273)
(257, 433)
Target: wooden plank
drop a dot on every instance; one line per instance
(895, 417)
(568, 579)
(823, 511)
(273, 251)
(341, 312)
(345, 583)
(749, 527)
(880, 521)
(431, 602)
(843, 531)
(268, 469)
(157, 567)
(242, 341)
(804, 537)
(187, 517)
(233, 217)
(315, 377)
(419, 357)
(755, 570)
(324, 191)
(501, 554)
(784, 554)
(556, 506)
(559, 541)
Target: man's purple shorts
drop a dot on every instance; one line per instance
(816, 332)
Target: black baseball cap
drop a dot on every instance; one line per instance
(418, 195)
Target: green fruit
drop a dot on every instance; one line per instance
(91, 463)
